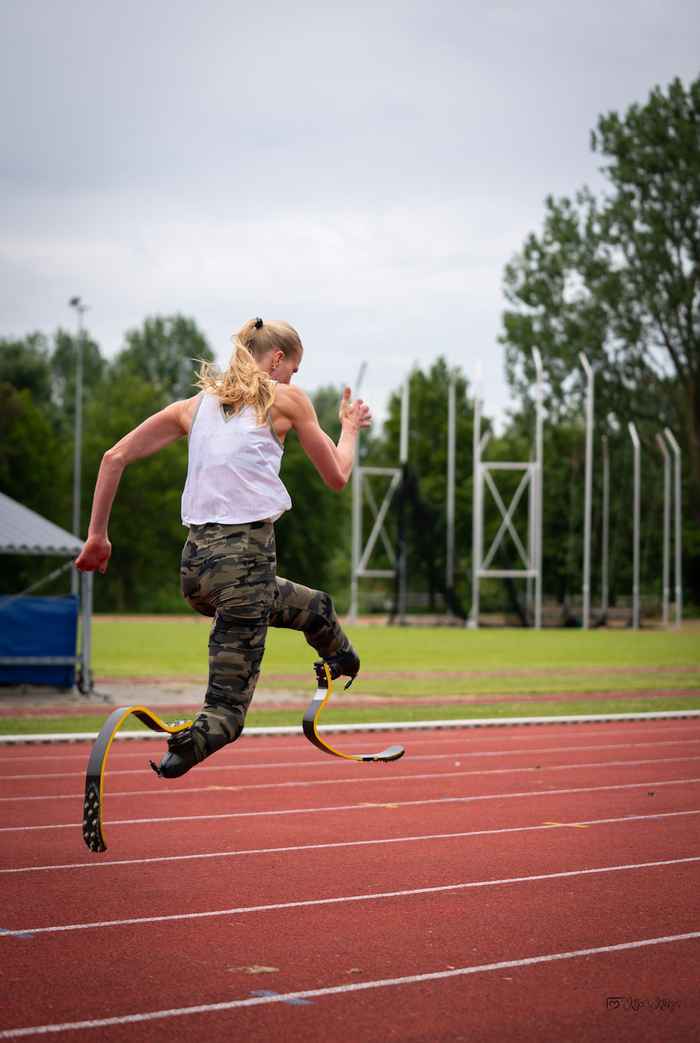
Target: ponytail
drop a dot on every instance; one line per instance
(243, 383)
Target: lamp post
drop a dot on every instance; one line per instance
(451, 446)
(477, 518)
(402, 563)
(80, 309)
(356, 512)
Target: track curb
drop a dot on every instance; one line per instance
(382, 726)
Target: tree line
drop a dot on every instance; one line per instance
(615, 277)
(314, 539)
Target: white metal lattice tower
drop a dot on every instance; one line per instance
(529, 551)
(362, 492)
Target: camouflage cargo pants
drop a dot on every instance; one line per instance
(228, 572)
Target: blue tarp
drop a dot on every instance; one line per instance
(38, 626)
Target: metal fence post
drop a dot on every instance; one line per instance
(451, 453)
(635, 525)
(539, 487)
(588, 498)
(666, 537)
(677, 525)
(605, 535)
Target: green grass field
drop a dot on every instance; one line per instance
(597, 671)
(496, 660)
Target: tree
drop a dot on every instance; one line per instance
(145, 526)
(34, 470)
(63, 371)
(32, 464)
(25, 365)
(165, 353)
(47, 368)
(619, 277)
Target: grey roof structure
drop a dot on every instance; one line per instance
(23, 531)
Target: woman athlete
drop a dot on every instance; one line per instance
(233, 494)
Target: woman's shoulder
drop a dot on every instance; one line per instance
(187, 408)
(288, 406)
(289, 398)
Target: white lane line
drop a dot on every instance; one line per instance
(366, 780)
(504, 724)
(346, 843)
(387, 727)
(470, 798)
(340, 899)
(336, 990)
(314, 762)
(9, 756)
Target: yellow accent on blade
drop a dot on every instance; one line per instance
(145, 716)
(329, 692)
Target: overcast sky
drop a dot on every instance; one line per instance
(364, 171)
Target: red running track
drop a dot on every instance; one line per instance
(502, 884)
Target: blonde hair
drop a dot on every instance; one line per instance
(243, 383)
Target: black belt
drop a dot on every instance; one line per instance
(235, 525)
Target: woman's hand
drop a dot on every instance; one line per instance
(95, 555)
(354, 414)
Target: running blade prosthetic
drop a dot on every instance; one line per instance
(94, 778)
(313, 712)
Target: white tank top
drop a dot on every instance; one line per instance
(233, 468)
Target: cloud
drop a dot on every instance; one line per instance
(363, 171)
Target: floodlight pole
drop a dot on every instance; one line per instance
(537, 544)
(477, 538)
(531, 525)
(405, 404)
(86, 681)
(606, 532)
(80, 308)
(678, 527)
(588, 493)
(356, 510)
(666, 548)
(451, 428)
(635, 537)
(403, 460)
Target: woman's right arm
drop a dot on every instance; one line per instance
(333, 462)
(153, 434)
